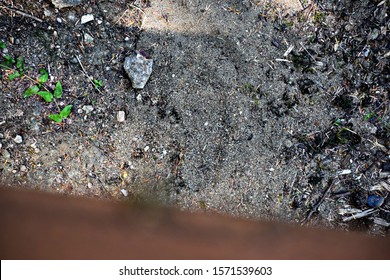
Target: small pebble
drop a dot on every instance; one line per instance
(124, 192)
(23, 168)
(18, 139)
(6, 154)
(47, 13)
(87, 18)
(288, 143)
(59, 20)
(88, 109)
(120, 116)
(375, 201)
(88, 39)
(72, 16)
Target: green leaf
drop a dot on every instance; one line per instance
(6, 64)
(20, 63)
(31, 91)
(58, 90)
(9, 58)
(98, 83)
(2, 45)
(56, 117)
(44, 76)
(66, 111)
(46, 95)
(14, 75)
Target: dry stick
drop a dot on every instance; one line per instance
(315, 207)
(88, 77)
(360, 215)
(21, 13)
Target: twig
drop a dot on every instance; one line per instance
(283, 60)
(360, 215)
(21, 13)
(307, 51)
(88, 77)
(315, 207)
(120, 18)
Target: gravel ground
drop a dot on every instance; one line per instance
(249, 111)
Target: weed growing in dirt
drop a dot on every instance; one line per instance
(15, 69)
(98, 83)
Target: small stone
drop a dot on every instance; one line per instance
(89, 185)
(375, 201)
(120, 116)
(139, 97)
(18, 139)
(385, 166)
(88, 39)
(138, 67)
(65, 3)
(124, 192)
(88, 109)
(5, 154)
(59, 20)
(72, 16)
(87, 18)
(47, 13)
(288, 143)
(23, 168)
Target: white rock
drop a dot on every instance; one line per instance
(6, 154)
(124, 192)
(18, 139)
(120, 116)
(23, 168)
(88, 109)
(88, 39)
(87, 18)
(65, 3)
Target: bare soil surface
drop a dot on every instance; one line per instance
(249, 111)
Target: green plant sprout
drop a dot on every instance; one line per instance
(369, 115)
(98, 83)
(16, 69)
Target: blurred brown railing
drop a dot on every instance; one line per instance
(46, 226)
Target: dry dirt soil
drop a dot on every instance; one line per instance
(249, 111)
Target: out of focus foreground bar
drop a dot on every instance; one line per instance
(45, 226)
